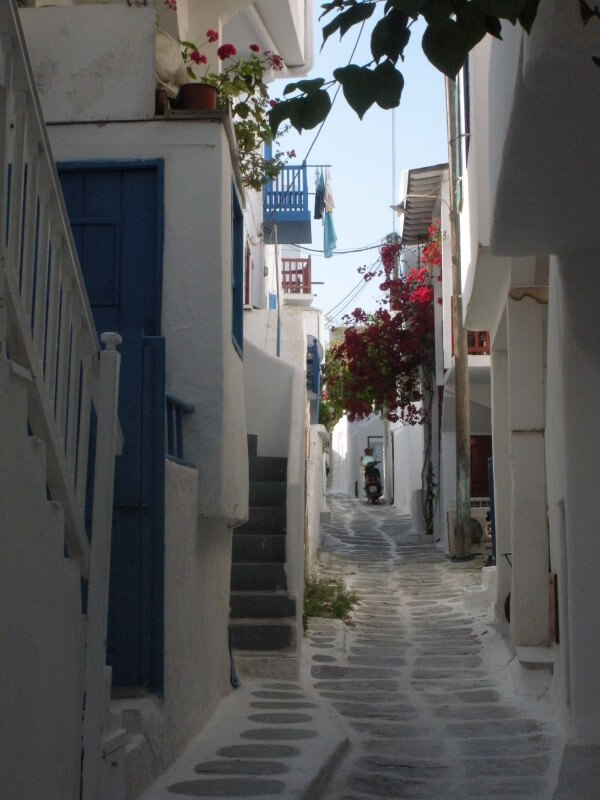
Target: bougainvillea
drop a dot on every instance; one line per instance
(385, 360)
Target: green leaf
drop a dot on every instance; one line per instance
(389, 85)
(493, 26)
(473, 22)
(390, 36)
(280, 112)
(410, 7)
(437, 12)
(447, 46)
(504, 9)
(242, 110)
(528, 14)
(306, 86)
(346, 19)
(313, 110)
(358, 85)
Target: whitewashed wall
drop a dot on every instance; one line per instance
(41, 625)
(276, 412)
(92, 62)
(197, 575)
(348, 441)
(408, 462)
(314, 494)
(202, 365)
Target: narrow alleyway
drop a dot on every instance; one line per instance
(428, 719)
(413, 699)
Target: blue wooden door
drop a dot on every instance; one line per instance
(115, 215)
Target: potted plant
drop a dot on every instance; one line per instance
(201, 95)
(240, 87)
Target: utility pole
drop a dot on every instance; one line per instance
(461, 356)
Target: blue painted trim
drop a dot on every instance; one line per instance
(237, 273)
(154, 439)
(157, 164)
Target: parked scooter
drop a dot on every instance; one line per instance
(373, 485)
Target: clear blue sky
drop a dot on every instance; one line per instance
(360, 155)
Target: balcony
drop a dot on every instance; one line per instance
(296, 281)
(285, 205)
(296, 276)
(478, 343)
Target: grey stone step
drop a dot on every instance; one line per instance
(252, 439)
(258, 577)
(262, 605)
(252, 547)
(264, 519)
(263, 635)
(267, 493)
(267, 468)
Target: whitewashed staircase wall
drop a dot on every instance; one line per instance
(54, 678)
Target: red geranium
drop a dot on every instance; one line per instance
(226, 51)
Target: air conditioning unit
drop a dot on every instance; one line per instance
(478, 529)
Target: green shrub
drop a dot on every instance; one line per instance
(328, 597)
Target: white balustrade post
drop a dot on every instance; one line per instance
(97, 610)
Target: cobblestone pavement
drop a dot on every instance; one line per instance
(429, 717)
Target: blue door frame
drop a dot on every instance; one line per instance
(116, 213)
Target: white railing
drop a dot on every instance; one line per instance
(46, 324)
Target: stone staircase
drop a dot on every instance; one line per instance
(263, 613)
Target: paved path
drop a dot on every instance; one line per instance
(406, 697)
(427, 718)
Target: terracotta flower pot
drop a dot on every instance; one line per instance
(197, 96)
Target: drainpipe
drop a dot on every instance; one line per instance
(461, 363)
(278, 350)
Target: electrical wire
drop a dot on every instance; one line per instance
(345, 252)
(354, 288)
(332, 322)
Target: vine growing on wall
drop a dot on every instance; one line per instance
(385, 360)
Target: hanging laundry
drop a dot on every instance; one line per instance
(328, 198)
(329, 237)
(319, 194)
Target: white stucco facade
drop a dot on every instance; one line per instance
(534, 132)
(94, 66)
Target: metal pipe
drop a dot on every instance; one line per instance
(461, 362)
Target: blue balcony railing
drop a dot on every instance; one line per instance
(286, 205)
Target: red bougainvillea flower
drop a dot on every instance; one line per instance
(423, 295)
(255, 48)
(272, 103)
(212, 36)
(196, 57)
(203, 59)
(226, 51)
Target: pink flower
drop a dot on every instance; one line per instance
(226, 51)
(272, 103)
(291, 154)
(255, 48)
(211, 35)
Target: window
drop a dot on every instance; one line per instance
(237, 273)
